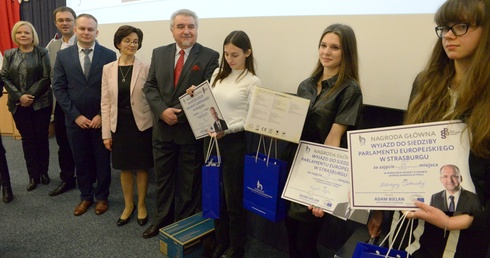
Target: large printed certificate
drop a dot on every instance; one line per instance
(393, 166)
(277, 115)
(202, 111)
(319, 176)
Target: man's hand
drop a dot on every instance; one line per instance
(83, 122)
(96, 122)
(169, 115)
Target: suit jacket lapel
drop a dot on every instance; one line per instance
(191, 59)
(76, 58)
(95, 59)
(134, 75)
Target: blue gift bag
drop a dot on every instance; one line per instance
(264, 180)
(365, 250)
(211, 183)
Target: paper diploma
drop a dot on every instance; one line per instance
(394, 166)
(277, 115)
(319, 176)
(197, 110)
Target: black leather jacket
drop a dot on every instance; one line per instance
(38, 78)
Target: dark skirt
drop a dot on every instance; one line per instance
(131, 148)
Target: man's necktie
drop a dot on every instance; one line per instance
(451, 204)
(219, 126)
(86, 61)
(178, 67)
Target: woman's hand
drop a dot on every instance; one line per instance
(108, 144)
(316, 211)
(26, 100)
(439, 219)
(216, 135)
(374, 223)
(190, 90)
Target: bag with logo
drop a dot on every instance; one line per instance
(264, 180)
(211, 182)
(366, 250)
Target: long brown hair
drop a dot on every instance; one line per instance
(241, 40)
(349, 65)
(431, 101)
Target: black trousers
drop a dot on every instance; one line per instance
(303, 237)
(33, 126)
(4, 170)
(178, 180)
(65, 156)
(230, 228)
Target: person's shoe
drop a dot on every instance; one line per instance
(219, 250)
(234, 253)
(122, 222)
(44, 179)
(151, 231)
(32, 184)
(82, 207)
(7, 194)
(63, 187)
(101, 206)
(143, 221)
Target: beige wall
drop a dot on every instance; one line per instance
(392, 48)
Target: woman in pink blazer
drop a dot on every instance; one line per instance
(127, 120)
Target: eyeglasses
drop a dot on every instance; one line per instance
(128, 42)
(68, 20)
(453, 177)
(457, 29)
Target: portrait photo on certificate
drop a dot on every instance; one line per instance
(202, 111)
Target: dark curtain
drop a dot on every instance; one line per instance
(40, 14)
(9, 15)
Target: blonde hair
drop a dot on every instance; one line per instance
(35, 38)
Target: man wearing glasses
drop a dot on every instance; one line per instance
(64, 19)
(447, 200)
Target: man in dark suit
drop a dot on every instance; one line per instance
(463, 201)
(77, 87)
(433, 241)
(178, 156)
(64, 19)
(219, 124)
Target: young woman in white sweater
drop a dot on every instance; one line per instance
(232, 84)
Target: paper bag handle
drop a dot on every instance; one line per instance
(212, 142)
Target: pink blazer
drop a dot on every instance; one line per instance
(139, 105)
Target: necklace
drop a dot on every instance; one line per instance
(124, 75)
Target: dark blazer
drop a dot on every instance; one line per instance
(468, 202)
(160, 92)
(37, 81)
(223, 125)
(76, 94)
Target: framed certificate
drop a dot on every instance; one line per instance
(319, 176)
(202, 111)
(277, 115)
(394, 166)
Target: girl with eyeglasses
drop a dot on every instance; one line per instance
(455, 85)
